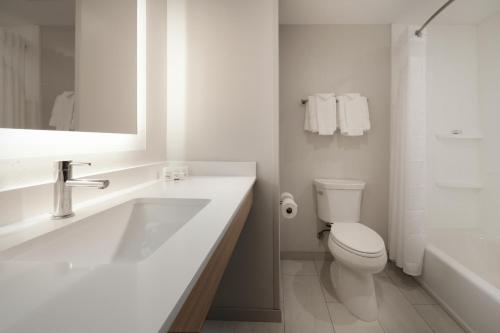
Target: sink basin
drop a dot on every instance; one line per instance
(129, 232)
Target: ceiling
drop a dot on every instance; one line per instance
(384, 11)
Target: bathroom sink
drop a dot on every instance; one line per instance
(126, 233)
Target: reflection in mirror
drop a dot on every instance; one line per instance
(68, 65)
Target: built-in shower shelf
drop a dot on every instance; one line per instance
(459, 185)
(465, 136)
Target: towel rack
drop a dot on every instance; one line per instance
(305, 101)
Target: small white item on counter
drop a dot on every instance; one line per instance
(175, 172)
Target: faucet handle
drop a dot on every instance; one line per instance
(79, 163)
(61, 166)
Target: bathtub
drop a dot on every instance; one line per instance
(462, 271)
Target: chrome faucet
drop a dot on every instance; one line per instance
(63, 207)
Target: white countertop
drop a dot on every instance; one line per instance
(121, 297)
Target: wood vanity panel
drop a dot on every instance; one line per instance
(194, 311)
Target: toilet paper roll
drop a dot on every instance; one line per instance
(289, 208)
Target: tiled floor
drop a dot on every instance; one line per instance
(311, 306)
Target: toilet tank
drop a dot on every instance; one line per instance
(339, 200)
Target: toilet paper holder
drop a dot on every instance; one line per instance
(288, 205)
(288, 210)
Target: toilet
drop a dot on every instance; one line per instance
(358, 251)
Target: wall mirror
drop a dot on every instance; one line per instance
(69, 65)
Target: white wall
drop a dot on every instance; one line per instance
(342, 59)
(17, 174)
(452, 104)
(489, 85)
(462, 94)
(223, 106)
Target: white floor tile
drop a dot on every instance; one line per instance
(245, 327)
(345, 322)
(438, 319)
(305, 310)
(306, 286)
(298, 267)
(410, 288)
(396, 314)
(219, 327)
(323, 270)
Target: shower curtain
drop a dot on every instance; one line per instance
(20, 77)
(408, 146)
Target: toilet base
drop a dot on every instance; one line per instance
(356, 290)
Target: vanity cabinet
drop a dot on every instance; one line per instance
(194, 311)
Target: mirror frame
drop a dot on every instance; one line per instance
(21, 143)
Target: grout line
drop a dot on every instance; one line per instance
(323, 293)
(384, 274)
(381, 326)
(299, 274)
(418, 286)
(318, 278)
(423, 318)
(283, 310)
(406, 299)
(441, 308)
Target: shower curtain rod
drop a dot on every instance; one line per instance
(418, 33)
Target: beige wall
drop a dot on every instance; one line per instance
(229, 113)
(342, 59)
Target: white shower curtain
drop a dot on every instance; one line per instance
(408, 147)
(20, 77)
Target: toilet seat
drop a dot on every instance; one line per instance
(358, 239)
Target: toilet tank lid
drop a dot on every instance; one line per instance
(339, 184)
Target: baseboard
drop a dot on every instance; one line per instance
(244, 314)
(292, 255)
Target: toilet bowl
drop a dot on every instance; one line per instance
(358, 251)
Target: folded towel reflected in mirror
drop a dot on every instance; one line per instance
(63, 112)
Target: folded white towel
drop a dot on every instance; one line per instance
(311, 116)
(326, 109)
(354, 115)
(63, 112)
